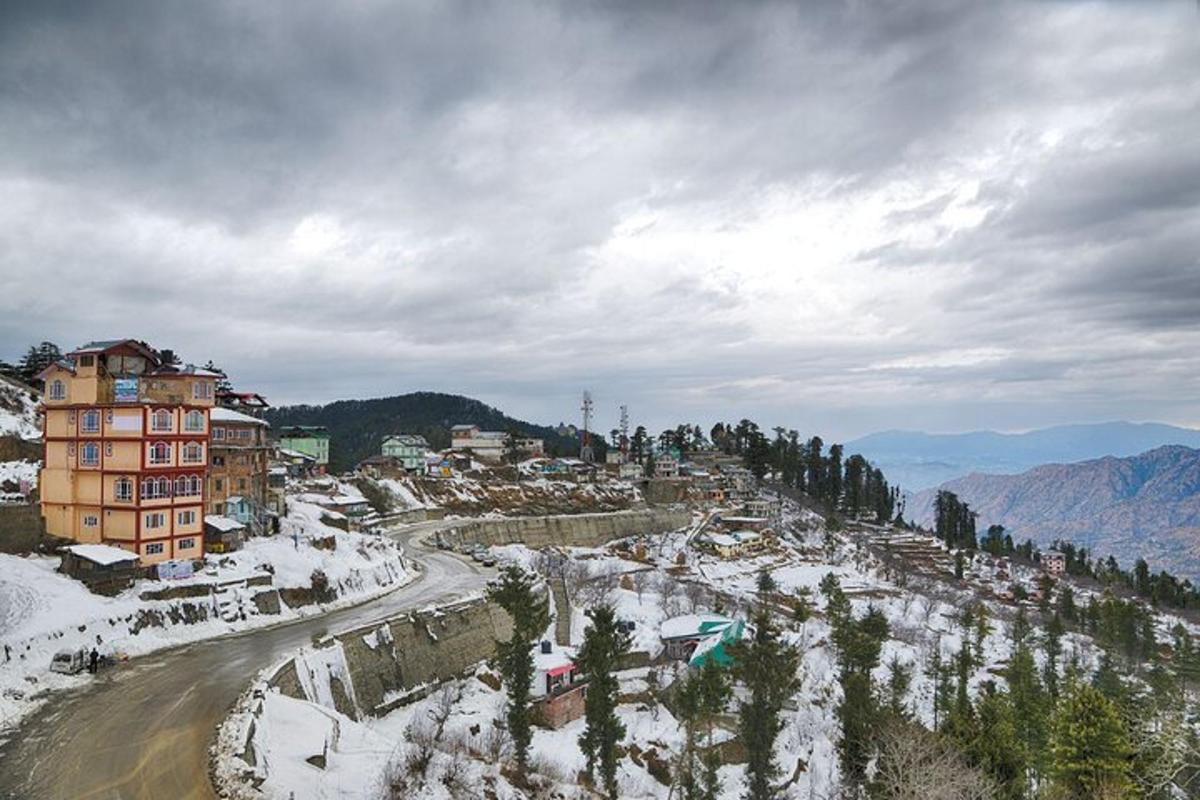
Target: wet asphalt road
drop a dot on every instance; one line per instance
(142, 731)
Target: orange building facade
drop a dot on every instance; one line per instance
(126, 450)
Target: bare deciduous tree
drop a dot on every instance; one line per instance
(914, 764)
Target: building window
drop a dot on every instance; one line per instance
(218, 434)
(193, 453)
(181, 486)
(123, 490)
(156, 488)
(90, 454)
(160, 453)
(91, 421)
(154, 548)
(219, 485)
(160, 420)
(241, 484)
(218, 461)
(186, 544)
(186, 517)
(154, 521)
(194, 486)
(194, 421)
(87, 361)
(202, 390)
(90, 521)
(58, 390)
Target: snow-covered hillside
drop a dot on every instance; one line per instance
(921, 601)
(18, 411)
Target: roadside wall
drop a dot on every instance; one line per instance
(569, 530)
(369, 670)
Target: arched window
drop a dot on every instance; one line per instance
(123, 490)
(194, 421)
(193, 453)
(195, 486)
(160, 453)
(164, 487)
(148, 488)
(161, 420)
(58, 390)
(91, 421)
(181, 486)
(89, 454)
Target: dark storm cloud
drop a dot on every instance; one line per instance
(813, 212)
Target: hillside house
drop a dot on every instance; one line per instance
(295, 463)
(735, 544)
(103, 569)
(559, 688)
(491, 446)
(223, 534)
(409, 449)
(734, 522)
(666, 466)
(311, 440)
(239, 464)
(350, 505)
(697, 637)
(630, 471)
(126, 437)
(1054, 563)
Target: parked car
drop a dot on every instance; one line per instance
(69, 662)
(488, 560)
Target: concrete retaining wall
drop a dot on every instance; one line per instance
(387, 663)
(569, 530)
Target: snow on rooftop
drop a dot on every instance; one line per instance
(222, 523)
(103, 554)
(557, 661)
(220, 414)
(693, 625)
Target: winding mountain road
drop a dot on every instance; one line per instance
(142, 731)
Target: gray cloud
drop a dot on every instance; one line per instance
(833, 215)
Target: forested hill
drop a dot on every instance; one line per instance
(1146, 506)
(357, 427)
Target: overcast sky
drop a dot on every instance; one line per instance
(833, 216)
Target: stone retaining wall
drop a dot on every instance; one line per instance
(569, 530)
(388, 662)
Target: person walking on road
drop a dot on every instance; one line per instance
(93, 661)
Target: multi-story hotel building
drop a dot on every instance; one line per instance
(126, 450)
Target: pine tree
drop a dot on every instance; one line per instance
(1089, 746)
(515, 591)
(603, 645)
(767, 666)
(715, 693)
(1031, 706)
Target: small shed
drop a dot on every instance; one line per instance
(223, 534)
(102, 568)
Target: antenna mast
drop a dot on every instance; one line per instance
(585, 451)
(624, 434)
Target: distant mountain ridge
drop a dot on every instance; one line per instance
(1143, 506)
(357, 427)
(915, 460)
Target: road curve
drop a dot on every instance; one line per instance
(142, 731)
